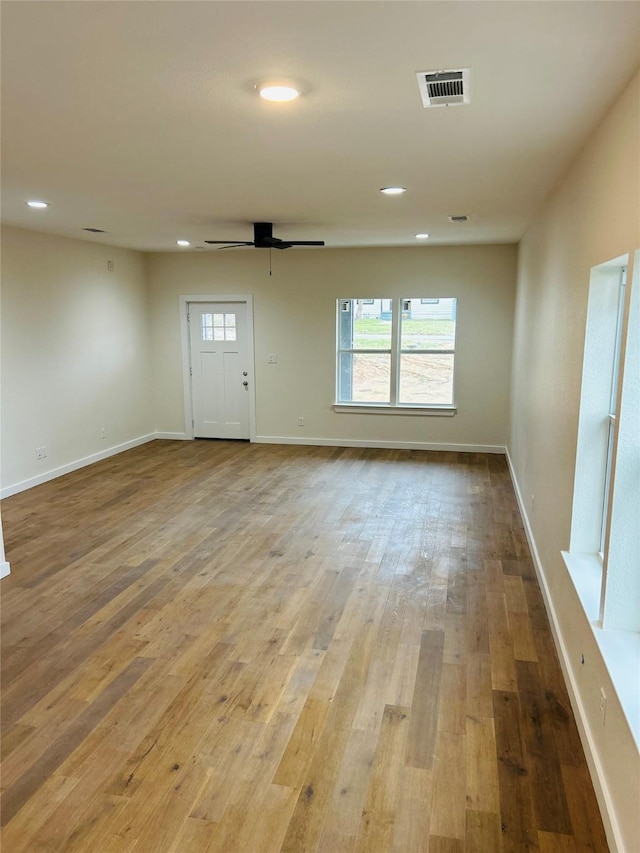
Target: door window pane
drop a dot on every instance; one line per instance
(218, 327)
(207, 327)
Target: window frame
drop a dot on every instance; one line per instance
(612, 417)
(398, 306)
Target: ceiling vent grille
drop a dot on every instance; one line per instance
(445, 88)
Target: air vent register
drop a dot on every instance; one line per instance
(444, 88)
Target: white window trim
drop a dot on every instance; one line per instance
(388, 409)
(620, 650)
(395, 353)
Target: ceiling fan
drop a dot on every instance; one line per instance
(263, 239)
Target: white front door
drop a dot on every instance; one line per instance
(219, 369)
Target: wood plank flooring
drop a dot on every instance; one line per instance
(217, 646)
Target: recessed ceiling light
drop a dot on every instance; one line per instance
(422, 236)
(38, 204)
(183, 242)
(278, 92)
(393, 190)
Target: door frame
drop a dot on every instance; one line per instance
(185, 301)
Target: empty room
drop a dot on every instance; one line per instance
(320, 426)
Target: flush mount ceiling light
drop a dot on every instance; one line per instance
(183, 242)
(37, 204)
(393, 190)
(422, 236)
(278, 91)
(459, 218)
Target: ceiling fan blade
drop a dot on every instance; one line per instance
(271, 243)
(230, 242)
(305, 242)
(232, 246)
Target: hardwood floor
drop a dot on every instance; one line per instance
(217, 646)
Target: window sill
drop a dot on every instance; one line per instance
(620, 649)
(372, 409)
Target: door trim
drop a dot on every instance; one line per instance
(185, 301)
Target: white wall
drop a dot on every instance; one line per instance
(592, 217)
(75, 353)
(294, 313)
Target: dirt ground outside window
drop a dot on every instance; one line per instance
(424, 379)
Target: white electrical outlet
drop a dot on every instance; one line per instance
(103, 433)
(272, 358)
(300, 421)
(41, 452)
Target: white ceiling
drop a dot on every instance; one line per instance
(141, 118)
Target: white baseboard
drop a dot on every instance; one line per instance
(5, 569)
(382, 445)
(7, 491)
(607, 809)
(173, 436)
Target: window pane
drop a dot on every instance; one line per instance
(365, 324)
(230, 334)
(218, 319)
(426, 379)
(430, 326)
(207, 331)
(229, 319)
(365, 377)
(218, 334)
(371, 324)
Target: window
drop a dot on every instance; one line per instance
(613, 403)
(604, 555)
(603, 560)
(396, 352)
(218, 327)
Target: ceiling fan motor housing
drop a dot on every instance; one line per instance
(263, 235)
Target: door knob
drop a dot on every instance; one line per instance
(245, 383)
